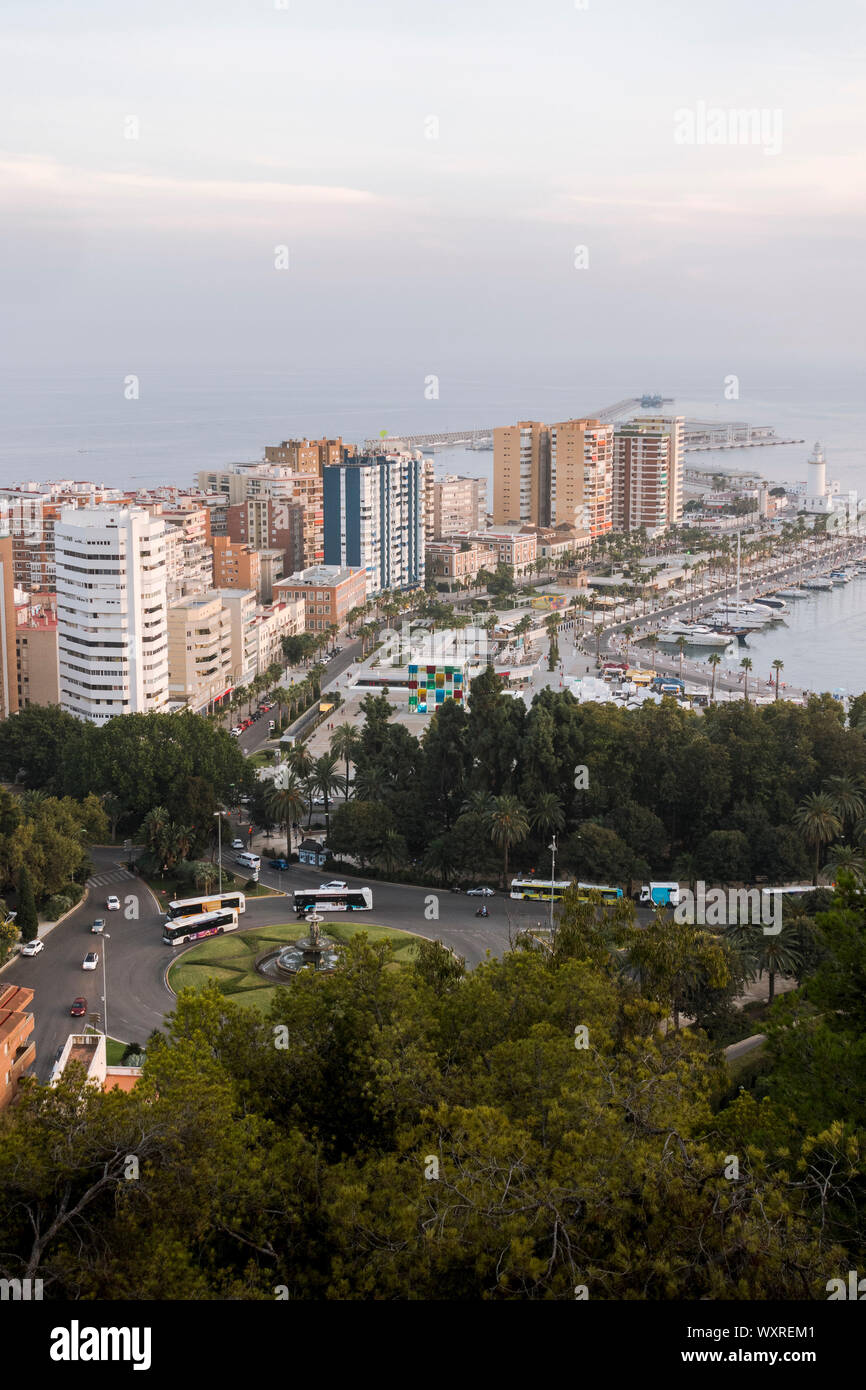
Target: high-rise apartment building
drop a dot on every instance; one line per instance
(111, 611)
(648, 473)
(581, 469)
(235, 565)
(374, 519)
(550, 475)
(459, 504)
(521, 473)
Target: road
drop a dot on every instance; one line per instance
(138, 997)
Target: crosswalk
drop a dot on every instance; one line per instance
(117, 875)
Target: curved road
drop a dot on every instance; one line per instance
(139, 999)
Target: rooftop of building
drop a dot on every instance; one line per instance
(14, 1003)
(320, 574)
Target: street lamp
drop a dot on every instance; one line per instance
(105, 937)
(552, 848)
(219, 820)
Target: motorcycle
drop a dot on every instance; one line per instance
(481, 912)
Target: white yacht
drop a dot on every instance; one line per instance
(696, 634)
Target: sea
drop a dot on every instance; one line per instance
(91, 423)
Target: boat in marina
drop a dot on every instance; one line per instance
(696, 634)
(818, 584)
(792, 593)
(776, 606)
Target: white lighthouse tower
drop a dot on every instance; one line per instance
(816, 479)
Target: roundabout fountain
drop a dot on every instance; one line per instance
(313, 952)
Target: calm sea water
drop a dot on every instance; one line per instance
(75, 423)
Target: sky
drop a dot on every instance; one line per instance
(436, 189)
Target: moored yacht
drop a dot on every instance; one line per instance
(696, 634)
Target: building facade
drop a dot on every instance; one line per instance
(112, 632)
(374, 519)
(17, 1053)
(459, 504)
(199, 652)
(38, 670)
(648, 473)
(329, 593)
(521, 473)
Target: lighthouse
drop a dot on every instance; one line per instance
(816, 479)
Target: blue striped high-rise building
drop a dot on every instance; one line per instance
(374, 518)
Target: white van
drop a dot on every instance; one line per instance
(249, 861)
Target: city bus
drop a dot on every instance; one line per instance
(540, 888)
(608, 895)
(332, 900)
(194, 907)
(200, 926)
(794, 890)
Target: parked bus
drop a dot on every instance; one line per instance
(608, 895)
(194, 907)
(792, 892)
(202, 925)
(540, 888)
(332, 900)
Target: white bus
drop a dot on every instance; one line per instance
(196, 928)
(210, 902)
(332, 900)
(540, 888)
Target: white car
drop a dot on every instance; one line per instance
(113, 903)
(239, 844)
(91, 960)
(32, 948)
(237, 731)
(480, 893)
(335, 884)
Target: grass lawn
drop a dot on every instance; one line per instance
(164, 889)
(114, 1050)
(230, 960)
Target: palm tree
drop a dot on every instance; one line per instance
(371, 783)
(849, 859)
(205, 877)
(847, 796)
(778, 955)
(714, 659)
(547, 815)
(153, 830)
(391, 854)
(325, 779)
(507, 825)
(300, 760)
(778, 667)
(681, 646)
(345, 742)
(628, 634)
(285, 801)
(114, 809)
(652, 642)
(818, 823)
(746, 664)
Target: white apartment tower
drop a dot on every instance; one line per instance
(112, 633)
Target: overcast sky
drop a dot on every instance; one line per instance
(307, 127)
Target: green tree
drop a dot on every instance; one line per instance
(507, 826)
(818, 822)
(27, 918)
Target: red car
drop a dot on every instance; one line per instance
(79, 1007)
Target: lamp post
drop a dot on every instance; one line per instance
(219, 816)
(552, 848)
(105, 937)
